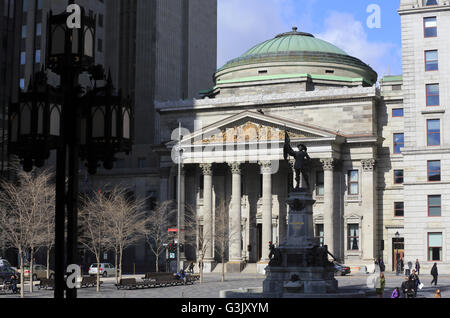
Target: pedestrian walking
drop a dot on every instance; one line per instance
(404, 287)
(381, 285)
(417, 267)
(191, 268)
(382, 266)
(395, 293)
(414, 281)
(437, 294)
(434, 273)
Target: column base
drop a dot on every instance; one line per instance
(235, 266)
(261, 267)
(209, 265)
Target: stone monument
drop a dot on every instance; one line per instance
(299, 266)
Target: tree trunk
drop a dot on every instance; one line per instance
(115, 265)
(22, 272)
(223, 267)
(201, 270)
(120, 262)
(48, 262)
(31, 270)
(97, 256)
(157, 262)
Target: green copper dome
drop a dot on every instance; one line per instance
(293, 42)
(299, 47)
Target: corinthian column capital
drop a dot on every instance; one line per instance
(235, 167)
(368, 164)
(266, 167)
(206, 169)
(328, 164)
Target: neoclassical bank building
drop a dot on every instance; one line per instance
(353, 124)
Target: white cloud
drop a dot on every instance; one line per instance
(344, 31)
(244, 24)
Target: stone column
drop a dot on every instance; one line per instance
(328, 217)
(207, 217)
(266, 171)
(369, 222)
(235, 251)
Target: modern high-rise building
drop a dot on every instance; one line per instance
(155, 50)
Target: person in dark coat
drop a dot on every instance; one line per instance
(13, 282)
(434, 273)
(407, 292)
(382, 266)
(417, 267)
(414, 281)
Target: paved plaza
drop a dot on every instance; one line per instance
(212, 286)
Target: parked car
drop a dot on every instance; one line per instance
(341, 269)
(104, 270)
(39, 272)
(6, 272)
(4, 262)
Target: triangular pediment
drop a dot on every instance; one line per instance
(253, 127)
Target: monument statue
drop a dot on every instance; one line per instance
(301, 159)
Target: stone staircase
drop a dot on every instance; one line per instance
(250, 268)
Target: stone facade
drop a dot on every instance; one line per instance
(420, 224)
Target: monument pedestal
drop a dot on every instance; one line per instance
(299, 266)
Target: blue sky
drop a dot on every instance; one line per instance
(245, 23)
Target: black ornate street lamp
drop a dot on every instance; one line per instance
(34, 128)
(93, 126)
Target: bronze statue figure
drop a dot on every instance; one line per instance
(301, 159)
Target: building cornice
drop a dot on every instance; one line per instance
(421, 9)
(250, 100)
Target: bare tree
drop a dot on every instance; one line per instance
(157, 228)
(222, 233)
(202, 241)
(126, 222)
(95, 235)
(22, 210)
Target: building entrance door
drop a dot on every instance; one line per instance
(398, 253)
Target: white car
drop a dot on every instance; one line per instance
(105, 269)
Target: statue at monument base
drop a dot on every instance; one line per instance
(299, 266)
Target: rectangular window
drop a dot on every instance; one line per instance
(399, 142)
(353, 182)
(142, 162)
(23, 58)
(434, 132)
(434, 171)
(353, 237)
(432, 94)
(24, 31)
(434, 205)
(397, 112)
(319, 233)
(430, 27)
(431, 60)
(319, 183)
(38, 56)
(434, 246)
(22, 84)
(398, 176)
(39, 29)
(399, 209)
